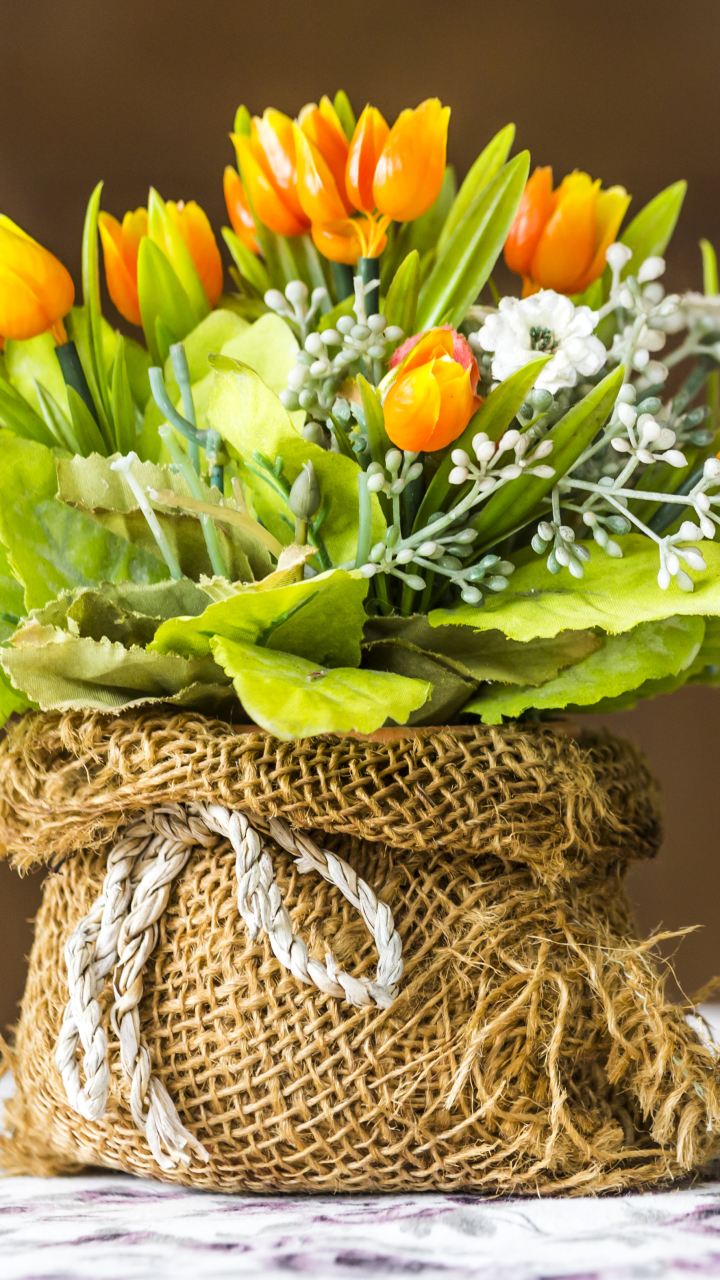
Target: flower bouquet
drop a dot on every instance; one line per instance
(389, 525)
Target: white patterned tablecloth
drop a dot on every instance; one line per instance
(116, 1227)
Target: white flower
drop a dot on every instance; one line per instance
(547, 321)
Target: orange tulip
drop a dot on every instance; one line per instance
(194, 226)
(366, 147)
(433, 396)
(120, 242)
(267, 162)
(323, 130)
(36, 291)
(349, 239)
(411, 166)
(317, 189)
(239, 212)
(559, 238)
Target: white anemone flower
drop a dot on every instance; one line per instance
(524, 328)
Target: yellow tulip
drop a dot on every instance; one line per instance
(559, 238)
(267, 162)
(36, 290)
(411, 165)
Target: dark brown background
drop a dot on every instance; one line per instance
(144, 91)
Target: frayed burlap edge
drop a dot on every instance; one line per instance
(532, 1049)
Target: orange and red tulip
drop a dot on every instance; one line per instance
(433, 396)
(559, 238)
(194, 226)
(239, 211)
(267, 162)
(411, 165)
(36, 290)
(120, 242)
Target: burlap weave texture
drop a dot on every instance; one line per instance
(531, 1048)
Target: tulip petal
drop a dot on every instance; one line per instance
(366, 146)
(411, 166)
(317, 192)
(457, 403)
(121, 283)
(266, 202)
(567, 243)
(411, 408)
(343, 240)
(22, 314)
(609, 212)
(241, 219)
(323, 129)
(194, 226)
(534, 211)
(429, 346)
(273, 143)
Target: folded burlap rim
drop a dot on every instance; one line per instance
(530, 1048)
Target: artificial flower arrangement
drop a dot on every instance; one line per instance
(360, 488)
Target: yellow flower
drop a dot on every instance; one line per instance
(121, 242)
(36, 290)
(267, 163)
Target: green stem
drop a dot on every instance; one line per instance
(124, 466)
(364, 540)
(301, 531)
(381, 591)
(369, 270)
(342, 279)
(191, 478)
(182, 377)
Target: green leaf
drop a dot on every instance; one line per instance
(710, 268)
(463, 267)
(493, 417)
(19, 417)
(422, 234)
(80, 332)
(487, 655)
(168, 238)
(65, 672)
(378, 438)
(91, 486)
(649, 233)
(450, 688)
(614, 595)
(91, 295)
(402, 299)
(138, 362)
(247, 262)
(488, 164)
(320, 619)
(58, 425)
(162, 298)
(85, 428)
(123, 408)
(516, 502)
(345, 113)
(33, 361)
(649, 651)
(125, 612)
(250, 417)
(294, 698)
(242, 122)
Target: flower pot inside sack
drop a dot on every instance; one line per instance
(343, 964)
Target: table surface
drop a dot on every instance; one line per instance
(116, 1227)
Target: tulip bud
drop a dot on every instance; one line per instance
(36, 291)
(304, 498)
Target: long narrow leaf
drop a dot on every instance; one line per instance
(489, 162)
(463, 268)
(91, 295)
(20, 417)
(58, 425)
(402, 298)
(649, 233)
(122, 403)
(84, 425)
(251, 267)
(515, 503)
(162, 298)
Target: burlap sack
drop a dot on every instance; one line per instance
(531, 1048)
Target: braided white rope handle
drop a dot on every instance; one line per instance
(260, 905)
(121, 931)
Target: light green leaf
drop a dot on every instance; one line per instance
(125, 612)
(80, 332)
(35, 361)
(50, 547)
(345, 113)
(463, 267)
(66, 672)
(650, 651)
(168, 238)
(320, 619)
(294, 698)
(60, 428)
(251, 267)
(138, 362)
(649, 232)
(614, 595)
(20, 417)
(162, 298)
(250, 417)
(487, 655)
(85, 428)
(423, 233)
(402, 299)
(516, 503)
(450, 688)
(123, 408)
(488, 164)
(98, 382)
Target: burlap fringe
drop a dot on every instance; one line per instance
(531, 1049)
